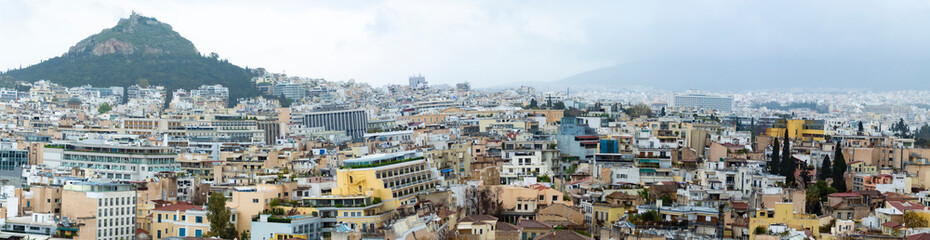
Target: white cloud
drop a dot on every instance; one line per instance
(484, 42)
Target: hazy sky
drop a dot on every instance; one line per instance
(484, 42)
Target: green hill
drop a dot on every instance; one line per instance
(138, 48)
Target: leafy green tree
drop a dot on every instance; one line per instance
(914, 220)
(105, 107)
(533, 104)
(816, 195)
(285, 102)
(219, 216)
(839, 169)
(900, 128)
(171, 71)
(638, 110)
(760, 230)
(825, 169)
(644, 194)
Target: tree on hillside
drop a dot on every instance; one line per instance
(787, 162)
(219, 216)
(861, 128)
(105, 107)
(774, 164)
(839, 170)
(825, 171)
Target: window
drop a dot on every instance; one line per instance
(198, 219)
(255, 200)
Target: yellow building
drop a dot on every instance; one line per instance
(279, 236)
(250, 201)
(606, 214)
(784, 214)
(805, 130)
(394, 178)
(179, 220)
(862, 167)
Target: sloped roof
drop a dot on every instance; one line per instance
(534, 224)
(845, 194)
(919, 236)
(475, 218)
(563, 235)
(504, 226)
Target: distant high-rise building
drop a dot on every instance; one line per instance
(465, 86)
(293, 91)
(696, 100)
(418, 81)
(354, 122)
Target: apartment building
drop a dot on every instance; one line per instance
(104, 211)
(113, 162)
(179, 220)
(395, 178)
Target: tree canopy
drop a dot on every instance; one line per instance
(219, 216)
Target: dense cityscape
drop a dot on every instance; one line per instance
(135, 134)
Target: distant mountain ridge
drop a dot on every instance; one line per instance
(757, 74)
(138, 48)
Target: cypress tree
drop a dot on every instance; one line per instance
(774, 164)
(787, 163)
(839, 169)
(825, 169)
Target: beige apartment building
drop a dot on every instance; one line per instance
(102, 211)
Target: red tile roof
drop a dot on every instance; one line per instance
(740, 205)
(891, 224)
(475, 218)
(919, 236)
(504, 226)
(845, 194)
(534, 224)
(904, 206)
(563, 235)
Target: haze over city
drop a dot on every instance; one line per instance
(494, 44)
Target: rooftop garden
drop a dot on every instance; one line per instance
(371, 165)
